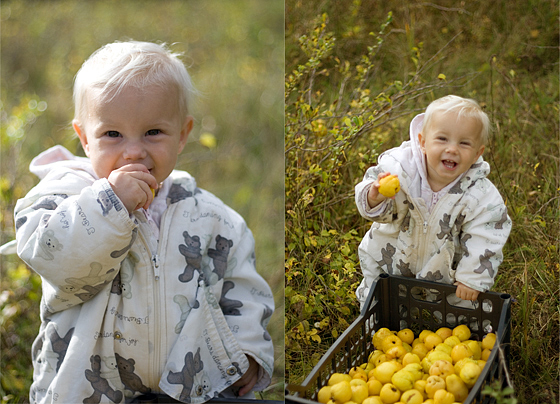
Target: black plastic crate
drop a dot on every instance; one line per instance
(396, 303)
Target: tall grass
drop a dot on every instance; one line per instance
(235, 54)
(353, 84)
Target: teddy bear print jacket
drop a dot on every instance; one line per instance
(126, 311)
(454, 235)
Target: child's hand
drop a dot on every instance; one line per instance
(249, 378)
(374, 197)
(133, 184)
(465, 293)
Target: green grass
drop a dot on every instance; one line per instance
(351, 95)
(235, 54)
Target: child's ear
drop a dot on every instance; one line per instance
(185, 130)
(422, 143)
(82, 135)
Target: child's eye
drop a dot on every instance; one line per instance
(153, 132)
(112, 133)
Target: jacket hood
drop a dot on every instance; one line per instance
(58, 157)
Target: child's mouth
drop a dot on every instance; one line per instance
(449, 164)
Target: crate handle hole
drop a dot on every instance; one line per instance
(487, 306)
(451, 320)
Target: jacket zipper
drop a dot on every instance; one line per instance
(154, 372)
(157, 325)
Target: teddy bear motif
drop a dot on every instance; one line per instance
(91, 283)
(404, 268)
(20, 222)
(503, 219)
(110, 371)
(432, 276)
(485, 264)
(116, 285)
(387, 254)
(118, 253)
(459, 220)
(267, 313)
(48, 244)
(191, 251)
(108, 200)
(463, 241)
(59, 345)
(90, 291)
(130, 379)
(126, 273)
(47, 203)
(456, 189)
(220, 254)
(185, 308)
(42, 357)
(186, 377)
(178, 193)
(202, 384)
(405, 225)
(101, 386)
(445, 227)
(229, 307)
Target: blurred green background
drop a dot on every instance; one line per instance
(235, 54)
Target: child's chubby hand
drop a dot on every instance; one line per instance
(465, 293)
(249, 378)
(133, 184)
(374, 196)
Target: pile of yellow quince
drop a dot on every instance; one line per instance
(435, 368)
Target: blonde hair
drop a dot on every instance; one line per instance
(137, 64)
(463, 107)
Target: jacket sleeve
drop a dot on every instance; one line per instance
(248, 303)
(484, 234)
(74, 234)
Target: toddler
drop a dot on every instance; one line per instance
(448, 223)
(149, 282)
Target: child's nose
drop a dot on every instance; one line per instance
(134, 151)
(451, 148)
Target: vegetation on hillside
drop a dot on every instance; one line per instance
(357, 71)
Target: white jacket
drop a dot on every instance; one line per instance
(456, 234)
(126, 311)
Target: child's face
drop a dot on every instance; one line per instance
(451, 145)
(136, 126)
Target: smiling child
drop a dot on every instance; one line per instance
(448, 223)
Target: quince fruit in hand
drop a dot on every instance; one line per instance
(389, 186)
